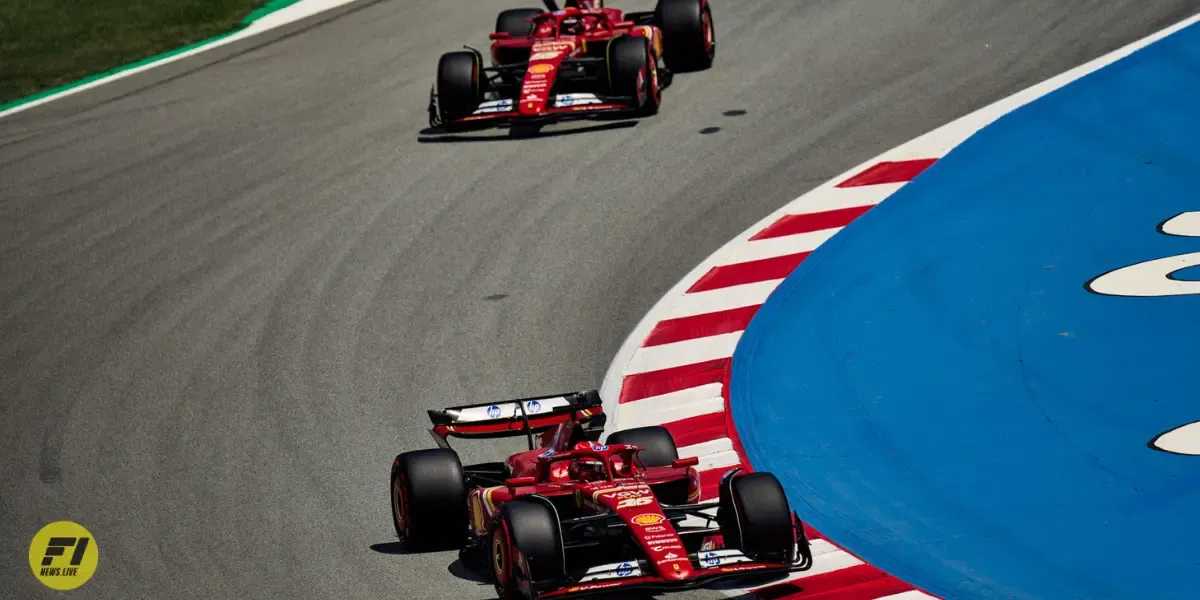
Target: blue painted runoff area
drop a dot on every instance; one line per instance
(939, 392)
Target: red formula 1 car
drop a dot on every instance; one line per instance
(582, 61)
(572, 516)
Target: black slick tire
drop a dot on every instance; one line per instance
(459, 84)
(632, 73)
(689, 40)
(755, 518)
(531, 527)
(515, 21)
(658, 447)
(429, 499)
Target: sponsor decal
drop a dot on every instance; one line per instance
(670, 546)
(632, 502)
(613, 493)
(599, 448)
(595, 586)
(711, 559)
(534, 407)
(661, 536)
(671, 555)
(1157, 278)
(624, 570)
(648, 519)
(566, 100)
(542, 68)
(493, 412)
(733, 568)
(494, 106)
(63, 555)
(656, 528)
(543, 55)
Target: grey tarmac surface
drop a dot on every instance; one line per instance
(227, 298)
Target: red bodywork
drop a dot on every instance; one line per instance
(594, 479)
(560, 39)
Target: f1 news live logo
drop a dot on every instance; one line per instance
(63, 555)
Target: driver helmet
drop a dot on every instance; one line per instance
(587, 469)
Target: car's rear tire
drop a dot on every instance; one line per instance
(755, 518)
(658, 447)
(531, 527)
(633, 72)
(515, 21)
(429, 499)
(689, 40)
(459, 84)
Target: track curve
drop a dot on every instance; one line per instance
(228, 296)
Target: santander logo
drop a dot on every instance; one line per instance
(1157, 278)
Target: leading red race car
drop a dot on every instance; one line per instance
(584, 60)
(573, 516)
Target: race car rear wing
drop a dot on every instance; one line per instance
(522, 416)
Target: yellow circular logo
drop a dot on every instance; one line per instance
(63, 555)
(648, 519)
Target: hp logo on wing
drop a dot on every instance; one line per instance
(493, 412)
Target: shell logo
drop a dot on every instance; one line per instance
(542, 68)
(648, 519)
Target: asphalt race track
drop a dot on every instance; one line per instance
(231, 287)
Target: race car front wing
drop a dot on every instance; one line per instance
(710, 566)
(560, 107)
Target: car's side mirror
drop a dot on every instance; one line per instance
(499, 35)
(680, 463)
(520, 481)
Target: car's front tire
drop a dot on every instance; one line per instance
(633, 72)
(460, 86)
(529, 527)
(429, 499)
(755, 518)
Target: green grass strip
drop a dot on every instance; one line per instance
(50, 46)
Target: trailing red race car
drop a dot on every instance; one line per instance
(578, 62)
(572, 516)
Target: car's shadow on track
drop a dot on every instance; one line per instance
(391, 548)
(432, 135)
(462, 571)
